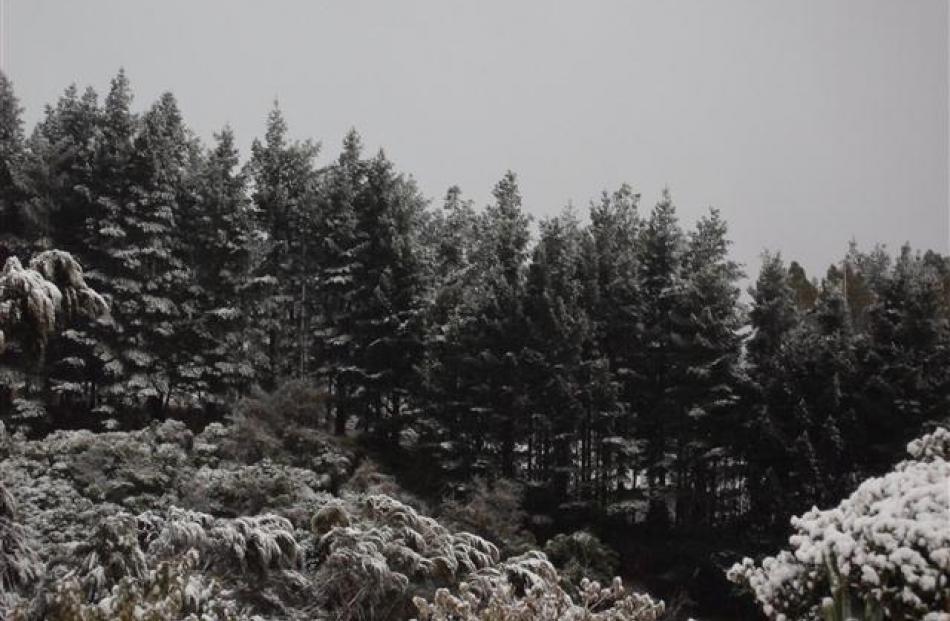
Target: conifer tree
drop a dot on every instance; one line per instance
(501, 320)
(763, 442)
(386, 302)
(12, 226)
(612, 297)
(336, 268)
(223, 245)
(773, 313)
(558, 365)
(476, 377)
(282, 176)
(660, 413)
(711, 321)
(162, 355)
(60, 171)
(806, 291)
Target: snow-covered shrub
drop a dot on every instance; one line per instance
(280, 423)
(28, 304)
(173, 590)
(581, 555)
(255, 544)
(19, 562)
(113, 553)
(367, 478)
(248, 489)
(884, 552)
(527, 588)
(492, 510)
(34, 300)
(117, 467)
(329, 517)
(78, 299)
(386, 546)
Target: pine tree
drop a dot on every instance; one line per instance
(711, 322)
(502, 319)
(477, 375)
(805, 290)
(774, 311)
(160, 350)
(773, 316)
(282, 176)
(452, 240)
(386, 303)
(660, 414)
(904, 363)
(560, 364)
(336, 269)
(612, 297)
(12, 225)
(223, 242)
(60, 172)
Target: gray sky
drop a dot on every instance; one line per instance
(807, 123)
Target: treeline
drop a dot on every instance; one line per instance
(610, 365)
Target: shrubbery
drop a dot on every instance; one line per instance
(233, 523)
(883, 553)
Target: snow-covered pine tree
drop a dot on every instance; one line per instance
(451, 239)
(659, 367)
(282, 181)
(223, 243)
(99, 345)
(557, 361)
(500, 324)
(12, 226)
(763, 442)
(905, 359)
(386, 306)
(613, 300)
(59, 171)
(710, 319)
(61, 176)
(336, 268)
(157, 322)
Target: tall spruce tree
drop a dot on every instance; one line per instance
(612, 294)
(386, 303)
(223, 243)
(568, 396)
(711, 319)
(660, 413)
(12, 226)
(60, 176)
(764, 441)
(501, 321)
(336, 269)
(158, 321)
(282, 175)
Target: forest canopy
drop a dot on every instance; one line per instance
(604, 364)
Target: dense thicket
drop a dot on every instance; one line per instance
(608, 362)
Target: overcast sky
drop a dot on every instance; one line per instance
(807, 123)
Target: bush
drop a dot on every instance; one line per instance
(19, 562)
(884, 552)
(492, 510)
(527, 588)
(581, 555)
(369, 567)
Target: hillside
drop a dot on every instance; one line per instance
(260, 518)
